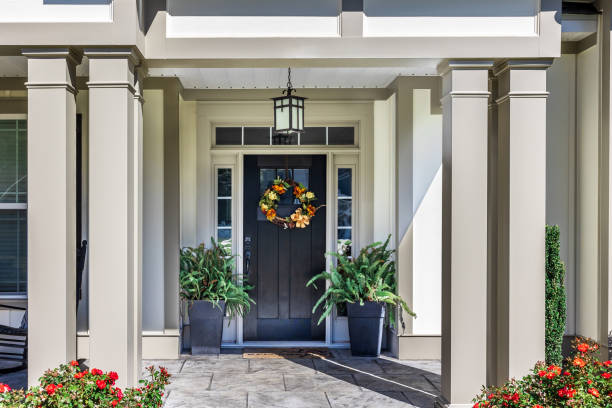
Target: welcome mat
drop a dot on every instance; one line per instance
(287, 353)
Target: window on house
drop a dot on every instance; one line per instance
(13, 206)
(345, 210)
(224, 208)
(264, 136)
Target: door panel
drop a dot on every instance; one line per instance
(280, 262)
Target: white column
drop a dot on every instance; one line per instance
(51, 208)
(605, 170)
(138, 213)
(521, 215)
(464, 230)
(114, 327)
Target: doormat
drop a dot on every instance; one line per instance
(287, 353)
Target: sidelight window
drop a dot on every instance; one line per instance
(13, 206)
(345, 209)
(224, 208)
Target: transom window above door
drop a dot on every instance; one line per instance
(264, 136)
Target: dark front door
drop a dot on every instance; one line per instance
(280, 262)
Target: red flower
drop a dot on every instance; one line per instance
(566, 392)
(101, 384)
(537, 406)
(95, 371)
(113, 376)
(114, 403)
(4, 388)
(80, 375)
(50, 389)
(542, 373)
(74, 363)
(606, 376)
(593, 392)
(607, 363)
(567, 373)
(550, 375)
(583, 347)
(578, 362)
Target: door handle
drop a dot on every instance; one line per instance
(247, 254)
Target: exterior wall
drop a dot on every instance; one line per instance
(56, 11)
(561, 167)
(441, 18)
(587, 125)
(153, 217)
(427, 221)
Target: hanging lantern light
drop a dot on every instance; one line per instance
(288, 112)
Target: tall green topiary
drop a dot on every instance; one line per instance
(555, 296)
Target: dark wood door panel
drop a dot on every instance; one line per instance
(280, 262)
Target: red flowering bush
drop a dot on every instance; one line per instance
(583, 381)
(68, 386)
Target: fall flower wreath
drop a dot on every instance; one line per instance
(301, 216)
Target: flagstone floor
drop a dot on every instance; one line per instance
(229, 381)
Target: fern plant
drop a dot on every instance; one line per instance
(208, 274)
(370, 276)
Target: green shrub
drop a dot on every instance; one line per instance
(368, 277)
(555, 297)
(208, 274)
(69, 387)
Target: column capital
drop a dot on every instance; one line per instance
(72, 55)
(129, 53)
(535, 64)
(449, 65)
(50, 68)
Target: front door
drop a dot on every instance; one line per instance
(280, 261)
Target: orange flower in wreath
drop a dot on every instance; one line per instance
(271, 214)
(311, 210)
(297, 191)
(279, 189)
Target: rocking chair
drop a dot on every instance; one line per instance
(13, 339)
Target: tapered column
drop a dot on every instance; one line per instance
(114, 327)
(464, 230)
(51, 208)
(521, 224)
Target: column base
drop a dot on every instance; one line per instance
(440, 402)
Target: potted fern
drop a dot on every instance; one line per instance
(210, 288)
(367, 284)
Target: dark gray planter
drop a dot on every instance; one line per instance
(365, 328)
(206, 326)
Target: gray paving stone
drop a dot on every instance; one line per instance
(347, 366)
(251, 382)
(287, 400)
(420, 400)
(182, 382)
(392, 382)
(319, 382)
(367, 399)
(206, 399)
(215, 366)
(304, 366)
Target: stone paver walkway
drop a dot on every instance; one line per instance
(230, 381)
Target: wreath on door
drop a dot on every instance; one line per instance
(301, 216)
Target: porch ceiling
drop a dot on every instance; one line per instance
(274, 78)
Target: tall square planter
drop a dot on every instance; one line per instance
(206, 326)
(366, 328)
